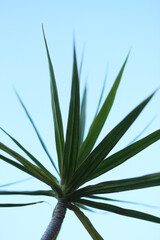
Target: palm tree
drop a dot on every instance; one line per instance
(79, 161)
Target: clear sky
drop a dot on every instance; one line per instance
(106, 30)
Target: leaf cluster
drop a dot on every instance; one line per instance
(79, 160)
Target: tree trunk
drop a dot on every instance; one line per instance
(56, 221)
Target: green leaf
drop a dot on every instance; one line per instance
(30, 155)
(125, 154)
(146, 181)
(17, 165)
(49, 193)
(38, 173)
(36, 131)
(86, 223)
(72, 135)
(19, 204)
(86, 169)
(82, 117)
(121, 211)
(57, 118)
(100, 119)
(122, 201)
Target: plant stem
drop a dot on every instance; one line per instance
(56, 221)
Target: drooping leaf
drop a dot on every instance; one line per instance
(72, 135)
(36, 131)
(146, 181)
(29, 155)
(38, 173)
(86, 169)
(82, 117)
(100, 119)
(125, 154)
(86, 223)
(19, 204)
(121, 211)
(49, 193)
(57, 118)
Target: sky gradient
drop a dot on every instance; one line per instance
(105, 31)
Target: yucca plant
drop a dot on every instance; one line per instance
(79, 161)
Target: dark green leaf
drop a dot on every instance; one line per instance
(72, 135)
(146, 181)
(86, 169)
(30, 193)
(17, 165)
(38, 173)
(122, 201)
(30, 155)
(86, 223)
(121, 211)
(36, 131)
(100, 119)
(57, 118)
(126, 153)
(18, 204)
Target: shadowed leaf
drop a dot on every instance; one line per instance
(100, 119)
(57, 118)
(36, 131)
(19, 204)
(38, 173)
(72, 135)
(146, 181)
(125, 154)
(86, 169)
(121, 211)
(29, 155)
(86, 223)
(49, 193)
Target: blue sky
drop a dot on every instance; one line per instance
(106, 30)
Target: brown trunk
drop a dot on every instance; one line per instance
(56, 221)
